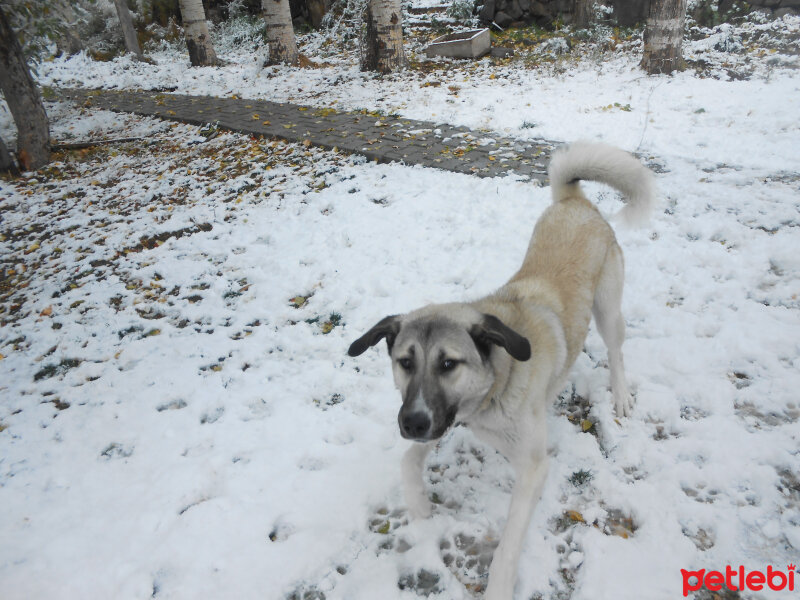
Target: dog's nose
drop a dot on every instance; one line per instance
(415, 425)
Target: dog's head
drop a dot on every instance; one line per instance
(442, 363)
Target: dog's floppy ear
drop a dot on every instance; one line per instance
(491, 330)
(385, 328)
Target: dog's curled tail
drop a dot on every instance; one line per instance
(595, 161)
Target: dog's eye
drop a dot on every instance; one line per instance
(448, 364)
(406, 363)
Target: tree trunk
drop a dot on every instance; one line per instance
(128, 32)
(68, 41)
(198, 41)
(383, 43)
(24, 101)
(7, 164)
(663, 36)
(583, 13)
(280, 33)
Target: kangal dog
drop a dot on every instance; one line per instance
(494, 364)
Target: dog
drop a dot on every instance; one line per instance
(495, 364)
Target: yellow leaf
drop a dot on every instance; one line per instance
(574, 515)
(586, 425)
(256, 117)
(47, 311)
(266, 123)
(1, 357)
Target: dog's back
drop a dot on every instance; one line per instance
(572, 242)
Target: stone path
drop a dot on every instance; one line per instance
(378, 137)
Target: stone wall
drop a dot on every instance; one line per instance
(776, 8)
(625, 13)
(506, 12)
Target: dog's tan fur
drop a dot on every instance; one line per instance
(495, 364)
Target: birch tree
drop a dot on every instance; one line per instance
(382, 48)
(198, 40)
(128, 32)
(663, 36)
(280, 33)
(23, 100)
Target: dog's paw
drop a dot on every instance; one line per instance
(498, 592)
(623, 404)
(502, 576)
(419, 508)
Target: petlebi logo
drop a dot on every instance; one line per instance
(739, 579)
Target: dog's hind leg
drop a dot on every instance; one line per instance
(412, 466)
(531, 471)
(608, 316)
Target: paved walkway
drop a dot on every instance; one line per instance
(378, 137)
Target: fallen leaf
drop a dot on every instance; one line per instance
(25, 159)
(47, 311)
(298, 301)
(574, 515)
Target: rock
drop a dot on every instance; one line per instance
(538, 9)
(630, 12)
(514, 11)
(502, 19)
(501, 52)
(487, 11)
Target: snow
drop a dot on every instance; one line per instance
(219, 444)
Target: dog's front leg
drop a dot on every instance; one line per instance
(419, 507)
(531, 473)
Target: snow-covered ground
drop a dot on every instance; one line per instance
(179, 417)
